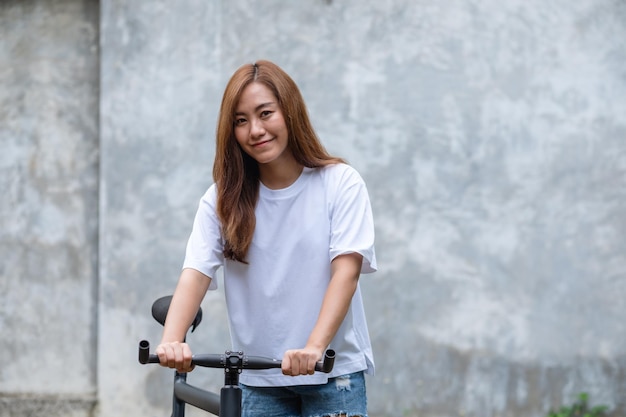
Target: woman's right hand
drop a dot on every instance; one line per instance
(175, 355)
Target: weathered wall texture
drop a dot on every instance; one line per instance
(160, 92)
(492, 136)
(49, 207)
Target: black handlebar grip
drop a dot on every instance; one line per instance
(329, 361)
(144, 353)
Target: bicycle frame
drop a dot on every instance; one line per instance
(228, 402)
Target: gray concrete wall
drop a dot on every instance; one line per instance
(492, 136)
(49, 207)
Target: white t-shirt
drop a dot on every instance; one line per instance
(274, 301)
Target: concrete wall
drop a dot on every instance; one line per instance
(49, 207)
(492, 136)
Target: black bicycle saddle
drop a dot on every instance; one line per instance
(161, 306)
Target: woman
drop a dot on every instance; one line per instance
(292, 227)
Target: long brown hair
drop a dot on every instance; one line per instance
(235, 173)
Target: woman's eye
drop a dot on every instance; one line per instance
(266, 113)
(239, 121)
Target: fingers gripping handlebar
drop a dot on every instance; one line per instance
(236, 360)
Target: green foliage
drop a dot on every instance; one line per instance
(581, 409)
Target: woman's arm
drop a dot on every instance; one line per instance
(191, 288)
(345, 271)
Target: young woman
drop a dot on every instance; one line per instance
(292, 228)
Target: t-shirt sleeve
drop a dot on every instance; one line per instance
(352, 223)
(205, 246)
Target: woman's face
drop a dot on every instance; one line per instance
(260, 127)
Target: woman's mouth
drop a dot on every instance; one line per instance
(256, 145)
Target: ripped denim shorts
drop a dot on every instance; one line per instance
(341, 396)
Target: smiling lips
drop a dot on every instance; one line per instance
(256, 145)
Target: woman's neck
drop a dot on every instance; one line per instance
(277, 176)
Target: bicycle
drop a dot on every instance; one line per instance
(228, 402)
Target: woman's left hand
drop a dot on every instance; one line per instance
(301, 361)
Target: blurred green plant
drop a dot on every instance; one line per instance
(581, 409)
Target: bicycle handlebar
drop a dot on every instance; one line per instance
(234, 360)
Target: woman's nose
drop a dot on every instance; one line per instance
(257, 129)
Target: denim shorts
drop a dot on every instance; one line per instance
(344, 395)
